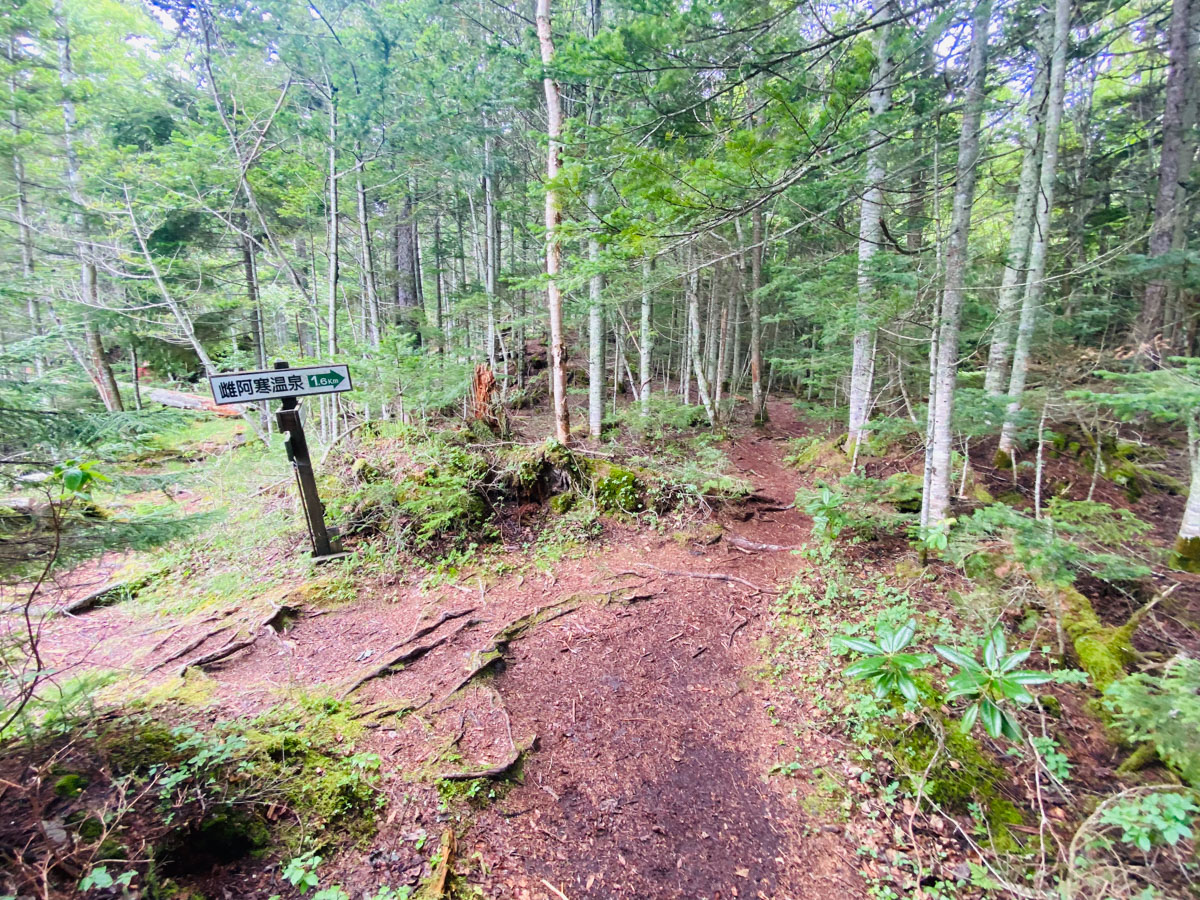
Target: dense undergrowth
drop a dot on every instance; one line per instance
(987, 691)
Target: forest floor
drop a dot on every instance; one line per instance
(648, 730)
(653, 715)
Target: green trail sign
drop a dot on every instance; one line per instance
(279, 384)
(330, 379)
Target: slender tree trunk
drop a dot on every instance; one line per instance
(758, 398)
(1166, 206)
(491, 251)
(645, 358)
(693, 323)
(722, 353)
(554, 121)
(870, 236)
(24, 232)
(1014, 278)
(406, 271)
(1035, 287)
(936, 499)
(106, 383)
(1177, 324)
(371, 290)
(334, 269)
(596, 372)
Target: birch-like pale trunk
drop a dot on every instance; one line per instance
(645, 372)
(101, 371)
(693, 314)
(1014, 277)
(595, 328)
(936, 499)
(1035, 287)
(554, 121)
(870, 236)
(334, 269)
(491, 262)
(1187, 544)
(758, 397)
(1167, 202)
(182, 319)
(370, 288)
(722, 353)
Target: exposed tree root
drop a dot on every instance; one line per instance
(491, 771)
(744, 544)
(189, 647)
(275, 621)
(715, 576)
(480, 660)
(413, 653)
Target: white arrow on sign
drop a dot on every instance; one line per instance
(275, 384)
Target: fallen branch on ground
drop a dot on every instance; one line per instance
(91, 600)
(437, 880)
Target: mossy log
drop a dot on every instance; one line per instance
(1186, 555)
(1103, 651)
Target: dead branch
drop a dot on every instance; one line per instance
(437, 880)
(91, 600)
(736, 628)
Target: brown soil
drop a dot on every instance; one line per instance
(648, 742)
(657, 757)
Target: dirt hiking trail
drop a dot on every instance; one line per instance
(622, 686)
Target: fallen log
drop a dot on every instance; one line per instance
(94, 599)
(181, 400)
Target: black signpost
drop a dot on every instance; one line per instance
(241, 387)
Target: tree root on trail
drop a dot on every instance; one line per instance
(481, 660)
(416, 652)
(744, 544)
(491, 771)
(275, 621)
(189, 647)
(715, 576)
